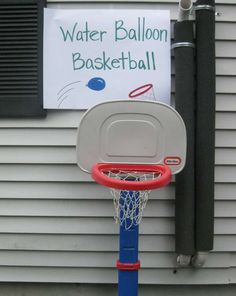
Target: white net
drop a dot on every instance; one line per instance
(149, 95)
(129, 204)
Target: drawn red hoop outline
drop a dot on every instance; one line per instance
(144, 88)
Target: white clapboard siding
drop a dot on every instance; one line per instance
(225, 102)
(36, 154)
(225, 153)
(58, 173)
(225, 156)
(77, 208)
(81, 225)
(225, 49)
(97, 208)
(226, 120)
(38, 137)
(56, 224)
(98, 242)
(225, 31)
(88, 225)
(109, 275)
(225, 174)
(67, 191)
(225, 138)
(225, 191)
(54, 119)
(225, 67)
(81, 242)
(94, 260)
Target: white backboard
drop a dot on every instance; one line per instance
(140, 132)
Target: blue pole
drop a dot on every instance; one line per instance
(128, 263)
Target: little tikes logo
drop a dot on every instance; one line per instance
(172, 160)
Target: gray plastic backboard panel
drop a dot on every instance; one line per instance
(140, 132)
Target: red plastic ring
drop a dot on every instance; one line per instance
(103, 179)
(128, 266)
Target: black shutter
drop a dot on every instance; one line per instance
(21, 58)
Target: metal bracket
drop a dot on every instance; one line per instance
(217, 13)
(183, 260)
(182, 44)
(199, 259)
(204, 7)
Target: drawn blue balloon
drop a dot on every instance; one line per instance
(96, 83)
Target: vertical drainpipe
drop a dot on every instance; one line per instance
(205, 129)
(185, 104)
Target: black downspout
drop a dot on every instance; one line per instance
(185, 104)
(205, 124)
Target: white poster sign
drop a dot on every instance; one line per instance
(91, 56)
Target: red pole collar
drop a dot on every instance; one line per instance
(128, 266)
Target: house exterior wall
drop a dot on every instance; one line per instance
(56, 224)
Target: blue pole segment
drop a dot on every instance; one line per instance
(128, 254)
(128, 279)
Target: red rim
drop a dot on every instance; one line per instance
(103, 179)
(141, 90)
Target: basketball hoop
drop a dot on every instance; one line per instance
(143, 92)
(132, 147)
(130, 185)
